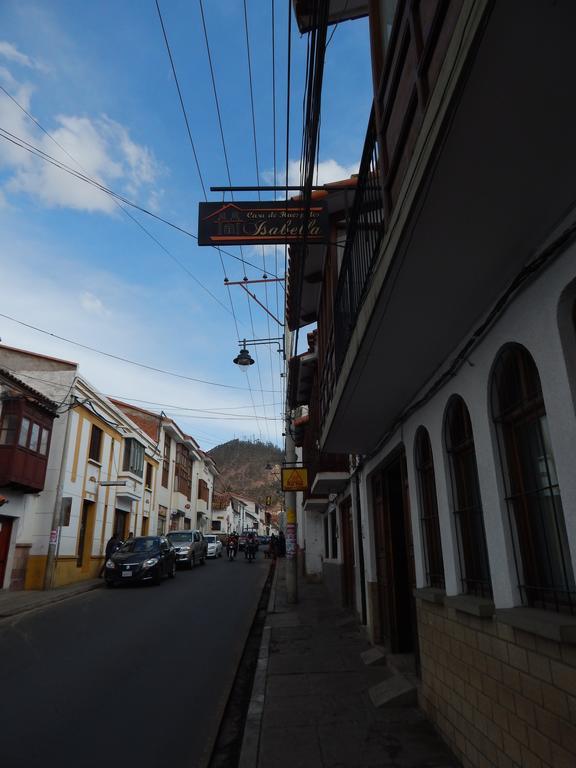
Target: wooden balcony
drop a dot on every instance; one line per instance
(25, 434)
(420, 37)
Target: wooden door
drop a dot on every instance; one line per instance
(85, 535)
(349, 586)
(5, 536)
(394, 555)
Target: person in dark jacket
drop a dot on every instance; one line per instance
(281, 544)
(114, 543)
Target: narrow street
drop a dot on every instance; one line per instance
(133, 675)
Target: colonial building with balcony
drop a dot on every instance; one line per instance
(203, 476)
(26, 424)
(186, 480)
(446, 341)
(95, 482)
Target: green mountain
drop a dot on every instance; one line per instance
(242, 467)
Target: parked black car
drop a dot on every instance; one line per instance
(145, 558)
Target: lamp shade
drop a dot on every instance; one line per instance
(244, 358)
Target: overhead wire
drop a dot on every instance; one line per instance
(32, 149)
(255, 142)
(124, 359)
(185, 114)
(227, 164)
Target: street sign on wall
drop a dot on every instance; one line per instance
(275, 222)
(294, 479)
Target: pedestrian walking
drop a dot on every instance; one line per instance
(272, 547)
(114, 543)
(281, 544)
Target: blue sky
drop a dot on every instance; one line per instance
(97, 78)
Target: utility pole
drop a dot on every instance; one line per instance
(57, 510)
(291, 524)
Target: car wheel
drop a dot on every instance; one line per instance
(172, 572)
(192, 562)
(109, 584)
(157, 580)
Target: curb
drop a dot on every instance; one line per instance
(251, 739)
(50, 598)
(206, 756)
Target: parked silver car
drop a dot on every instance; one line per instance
(191, 547)
(214, 545)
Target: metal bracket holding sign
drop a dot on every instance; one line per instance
(294, 478)
(262, 223)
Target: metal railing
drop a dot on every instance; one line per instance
(365, 232)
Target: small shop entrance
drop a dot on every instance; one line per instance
(85, 535)
(5, 536)
(349, 591)
(394, 556)
(121, 523)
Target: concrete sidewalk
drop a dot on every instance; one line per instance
(22, 601)
(310, 706)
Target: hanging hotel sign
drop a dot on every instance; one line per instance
(294, 479)
(260, 223)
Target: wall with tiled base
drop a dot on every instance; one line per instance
(499, 696)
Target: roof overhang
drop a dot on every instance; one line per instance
(484, 203)
(315, 505)
(306, 271)
(326, 483)
(301, 370)
(339, 10)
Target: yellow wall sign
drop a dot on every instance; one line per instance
(294, 479)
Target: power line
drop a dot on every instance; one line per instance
(220, 410)
(23, 144)
(124, 359)
(255, 141)
(180, 97)
(185, 114)
(221, 127)
(117, 203)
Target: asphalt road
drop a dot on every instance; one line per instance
(134, 676)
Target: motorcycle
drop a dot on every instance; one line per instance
(250, 552)
(231, 550)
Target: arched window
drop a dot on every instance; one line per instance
(434, 565)
(545, 574)
(471, 536)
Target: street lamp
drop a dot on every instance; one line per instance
(244, 358)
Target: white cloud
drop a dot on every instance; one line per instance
(101, 310)
(92, 304)
(10, 52)
(327, 171)
(101, 147)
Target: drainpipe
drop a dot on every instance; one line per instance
(360, 550)
(55, 528)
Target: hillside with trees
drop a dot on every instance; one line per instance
(242, 467)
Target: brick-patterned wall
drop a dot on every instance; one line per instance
(500, 697)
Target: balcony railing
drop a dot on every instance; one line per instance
(420, 37)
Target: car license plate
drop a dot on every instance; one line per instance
(126, 573)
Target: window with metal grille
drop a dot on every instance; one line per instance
(203, 490)
(434, 565)
(133, 457)
(166, 461)
(149, 470)
(183, 470)
(333, 536)
(95, 443)
(467, 504)
(542, 555)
